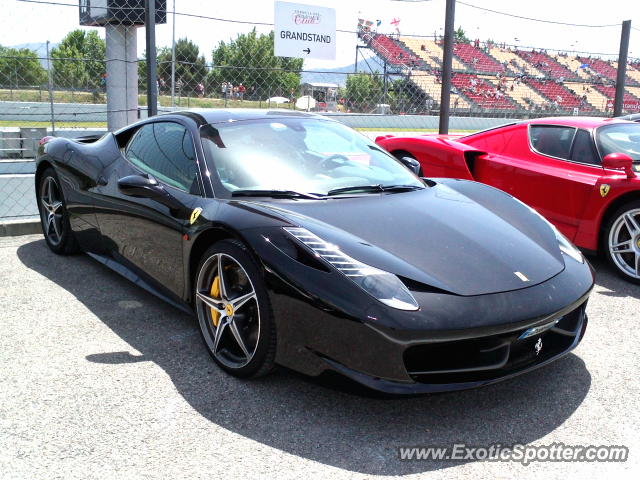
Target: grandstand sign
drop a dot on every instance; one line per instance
(304, 31)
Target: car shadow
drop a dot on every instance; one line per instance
(613, 285)
(328, 420)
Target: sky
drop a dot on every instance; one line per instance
(22, 22)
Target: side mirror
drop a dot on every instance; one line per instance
(140, 186)
(412, 164)
(619, 161)
(146, 186)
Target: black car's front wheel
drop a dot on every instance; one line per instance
(234, 312)
(53, 215)
(623, 241)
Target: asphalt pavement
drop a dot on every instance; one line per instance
(100, 379)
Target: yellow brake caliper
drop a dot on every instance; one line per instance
(215, 293)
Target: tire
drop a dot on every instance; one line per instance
(54, 216)
(401, 153)
(235, 316)
(622, 242)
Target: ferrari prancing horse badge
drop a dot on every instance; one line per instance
(194, 215)
(604, 189)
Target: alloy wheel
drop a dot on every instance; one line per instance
(52, 211)
(624, 243)
(228, 310)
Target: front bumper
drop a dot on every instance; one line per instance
(459, 365)
(325, 322)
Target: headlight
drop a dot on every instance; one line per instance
(567, 247)
(381, 285)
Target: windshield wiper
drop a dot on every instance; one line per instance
(276, 194)
(374, 189)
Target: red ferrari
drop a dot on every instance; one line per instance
(580, 173)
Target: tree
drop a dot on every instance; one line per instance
(460, 36)
(191, 67)
(249, 60)
(20, 67)
(364, 90)
(79, 60)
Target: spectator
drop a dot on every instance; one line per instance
(200, 89)
(162, 86)
(423, 48)
(236, 93)
(252, 92)
(103, 82)
(224, 89)
(292, 95)
(241, 90)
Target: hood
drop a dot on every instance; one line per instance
(459, 236)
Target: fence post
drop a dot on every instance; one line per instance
(173, 58)
(622, 68)
(53, 121)
(152, 94)
(445, 95)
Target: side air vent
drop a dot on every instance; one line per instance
(470, 158)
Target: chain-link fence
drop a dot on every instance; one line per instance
(81, 84)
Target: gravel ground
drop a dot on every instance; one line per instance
(100, 379)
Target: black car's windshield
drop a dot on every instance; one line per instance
(619, 138)
(303, 155)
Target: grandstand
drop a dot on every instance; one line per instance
(574, 65)
(610, 92)
(524, 95)
(429, 84)
(545, 82)
(632, 73)
(514, 63)
(603, 68)
(476, 59)
(481, 92)
(432, 54)
(596, 99)
(547, 65)
(557, 93)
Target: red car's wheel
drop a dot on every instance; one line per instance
(623, 241)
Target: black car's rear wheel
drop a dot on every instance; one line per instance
(53, 215)
(234, 312)
(623, 241)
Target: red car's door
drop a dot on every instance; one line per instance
(551, 168)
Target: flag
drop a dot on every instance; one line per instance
(395, 22)
(378, 23)
(365, 24)
(584, 65)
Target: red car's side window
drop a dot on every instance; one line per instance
(554, 141)
(583, 150)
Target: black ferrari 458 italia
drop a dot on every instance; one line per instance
(297, 241)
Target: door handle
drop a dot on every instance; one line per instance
(102, 181)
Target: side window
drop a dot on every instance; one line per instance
(165, 150)
(584, 150)
(551, 140)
